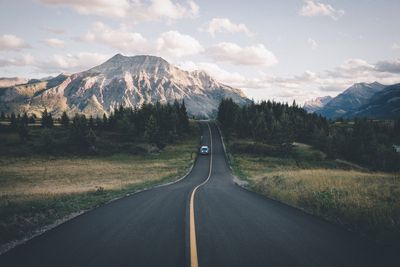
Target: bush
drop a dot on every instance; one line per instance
(260, 149)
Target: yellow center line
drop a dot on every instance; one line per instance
(194, 262)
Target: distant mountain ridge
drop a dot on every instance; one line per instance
(359, 100)
(317, 103)
(121, 80)
(384, 104)
(7, 82)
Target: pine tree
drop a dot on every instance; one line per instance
(13, 121)
(152, 131)
(105, 121)
(23, 131)
(24, 119)
(47, 119)
(91, 122)
(64, 120)
(183, 117)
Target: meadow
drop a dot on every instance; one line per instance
(37, 190)
(363, 201)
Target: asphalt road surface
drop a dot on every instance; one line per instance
(205, 220)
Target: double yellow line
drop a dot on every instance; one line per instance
(194, 262)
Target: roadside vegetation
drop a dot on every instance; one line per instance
(282, 167)
(66, 166)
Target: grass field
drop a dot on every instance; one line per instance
(367, 202)
(35, 191)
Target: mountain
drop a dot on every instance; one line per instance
(7, 82)
(121, 80)
(317, 103)
(350, 100)
(384, 104)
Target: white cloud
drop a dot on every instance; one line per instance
(134, 10)
(52, 30)
(170, 10)
(353, 67)
(21, 61)
(115, 8)
(54, 42)
(312, 43)
(396, 46)
(230, 78)
(308, 84)
(12, 42)
(175, 44)
(313, 9)
(121, 39)
(58, 63)
(256, 55)
(224, 25)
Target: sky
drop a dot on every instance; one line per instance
(283, 50)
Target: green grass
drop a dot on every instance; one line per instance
(36, 191)
(366, 202)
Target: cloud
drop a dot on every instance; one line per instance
(312, 43)
(21, 61)
(256, 55)
(224, 25)
(58, 63)
(170, 10)
(396, 46)
(12, 42)
(232, 78)
(54, 42)
(175, 44)
(308, 84)
(390, 66)
(134, 10)
(115, 8)
(52, 30)
(120, 39)
(313, 9)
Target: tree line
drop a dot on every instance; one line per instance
(362, 141)
(156, 124)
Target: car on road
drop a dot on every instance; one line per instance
(204, 150)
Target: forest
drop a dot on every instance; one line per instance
(157, 125)
(362, 141)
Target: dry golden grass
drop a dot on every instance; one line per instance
(368, 202)
(37, 191)
(35, 177)
(26, 178)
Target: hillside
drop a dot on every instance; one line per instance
(121, 80)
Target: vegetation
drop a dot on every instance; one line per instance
(124, 131)
(35, 192)
(366, 202)
(366, 142)
(266, 142)
(53, 168)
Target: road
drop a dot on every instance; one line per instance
(205, 220)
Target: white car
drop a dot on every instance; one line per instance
(204, 150)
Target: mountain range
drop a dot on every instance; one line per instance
(373, 100)
(121, 80)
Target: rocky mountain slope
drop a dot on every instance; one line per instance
(317, 103)
(350, 100)
(384, 104)
(7, 82)
(122, 80)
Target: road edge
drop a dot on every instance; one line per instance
(11, 245)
